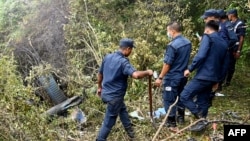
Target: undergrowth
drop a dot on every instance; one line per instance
(21, 121)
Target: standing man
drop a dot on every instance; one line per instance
(217, 15)
(112, 85)
(235, 52)
(175, 63)
(231, 40)
(209, 63)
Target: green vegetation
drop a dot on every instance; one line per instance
(69, 39)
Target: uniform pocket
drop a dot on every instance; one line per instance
(170, 90)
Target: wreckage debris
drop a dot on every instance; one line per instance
(64, 106)
(78, 115)
(61, 102)
(51, 87)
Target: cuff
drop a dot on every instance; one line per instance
(190, 68)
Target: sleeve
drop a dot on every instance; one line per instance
(201, 55)
(241, 30)
(128, 69)
(169, 55)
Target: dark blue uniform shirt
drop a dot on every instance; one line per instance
(223, 32)
(209, 61)
(241, 30)
(177, 56)
(115, 69)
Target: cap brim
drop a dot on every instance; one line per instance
(133, 46)
(203, 17)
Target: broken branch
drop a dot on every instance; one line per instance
(165, 118)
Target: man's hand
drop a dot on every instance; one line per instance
(158, 82)
(99, 91)
(237, 55)
(186, 73)
(150, 72)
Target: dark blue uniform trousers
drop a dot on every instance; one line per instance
(114, 108)
(171, 89)
(202, 89)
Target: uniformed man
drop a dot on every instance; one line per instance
(235, 52)
(225, 24)
(217, 16)
(175, 63)
(112, 84)
(208, 63)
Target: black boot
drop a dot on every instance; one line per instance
(130, 132)
(199, 126)
(211, 98)
(171, 122)
(180, 116)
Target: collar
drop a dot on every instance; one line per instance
(174, 39)
(119, 53)
(178, 36)
(215, 33)
(235, 21)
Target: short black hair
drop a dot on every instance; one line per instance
(175, 26)
(214, 25)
